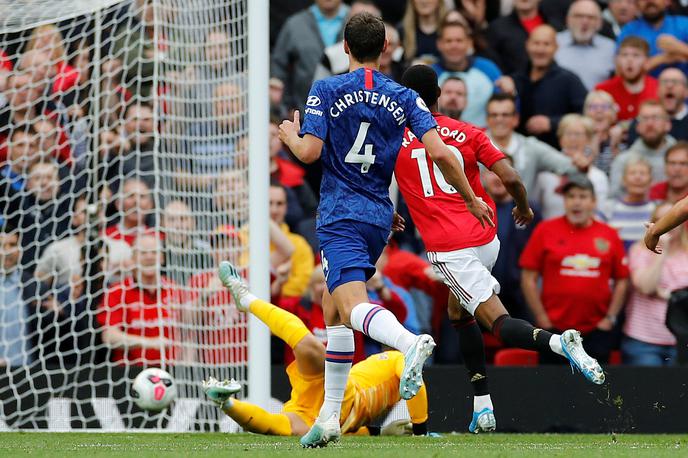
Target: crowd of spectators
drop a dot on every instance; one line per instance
(587, 99)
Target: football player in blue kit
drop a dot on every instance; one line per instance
(355, 123)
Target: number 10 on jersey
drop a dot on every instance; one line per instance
(424, 170)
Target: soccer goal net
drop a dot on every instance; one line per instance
(124, 182)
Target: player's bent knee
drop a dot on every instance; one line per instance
(310, 355)
(490, 310)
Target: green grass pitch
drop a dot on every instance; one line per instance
(141, 445)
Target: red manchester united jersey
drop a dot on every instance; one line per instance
(437, 209)
(576, 265)
(140, 312)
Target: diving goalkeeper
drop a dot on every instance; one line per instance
(372, 389)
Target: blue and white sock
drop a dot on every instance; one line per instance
(381, 325)
(338, 358)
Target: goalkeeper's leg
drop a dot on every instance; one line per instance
(256, 420)
(308, 351)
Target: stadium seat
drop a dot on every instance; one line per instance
(615, 358)
(516, 357)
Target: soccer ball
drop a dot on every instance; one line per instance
(153, 389)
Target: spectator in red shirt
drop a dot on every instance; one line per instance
(631, 85)
(676, 170)
(136, 314)
(134, 204)
(221, 338)
(577, 258)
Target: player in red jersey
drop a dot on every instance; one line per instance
(463, 252)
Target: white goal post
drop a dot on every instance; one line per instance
(133, 158)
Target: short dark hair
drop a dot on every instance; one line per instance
(24, 128)
(365, 35)
(501, 97)
(422, 79)
(453, 78)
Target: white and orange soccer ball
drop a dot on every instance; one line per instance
(153, 389)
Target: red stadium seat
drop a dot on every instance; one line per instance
(615, 358)
(516, 357)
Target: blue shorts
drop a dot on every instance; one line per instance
(349, 250)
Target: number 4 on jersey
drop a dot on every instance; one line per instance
(355, 156)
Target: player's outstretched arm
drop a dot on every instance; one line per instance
(677, 215)
(454, 174)
(522, 213)
(307, 148)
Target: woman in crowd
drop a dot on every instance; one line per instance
(576, 136)
(628, 213)
(601, 108)
(418, 29)
(647, 341)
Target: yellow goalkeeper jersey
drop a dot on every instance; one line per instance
(373, 389)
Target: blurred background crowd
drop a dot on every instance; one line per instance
(580, 91)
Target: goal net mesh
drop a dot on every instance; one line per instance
(123, 159)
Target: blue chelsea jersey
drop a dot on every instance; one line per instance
(360, 117)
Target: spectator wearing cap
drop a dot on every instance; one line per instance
(137, 314)
(581, 42)
(675, 187)
(653, 128)
(454, 41)
(666, 34)
(545, 90)
(647, 341)
(300, 45)
(576, 135)
(530, 155)
(222, 337)
(453, 98)
(578, 259)
(629, 213)
(631, 85)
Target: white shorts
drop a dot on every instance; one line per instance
(468, 273)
